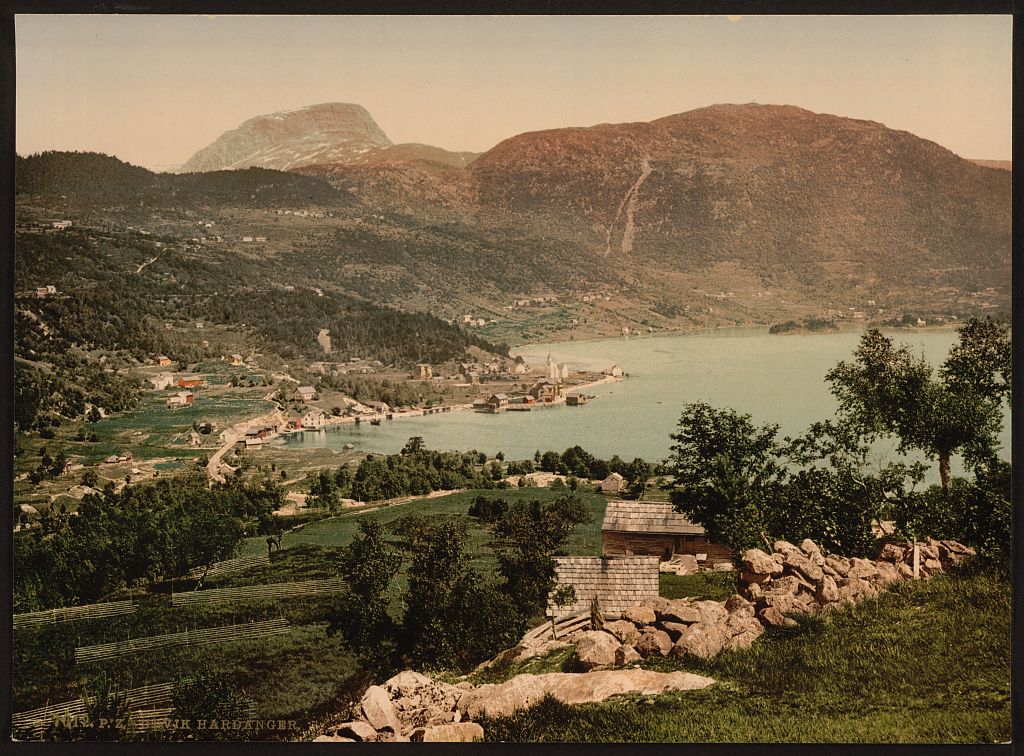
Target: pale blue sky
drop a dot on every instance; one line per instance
(154, 89)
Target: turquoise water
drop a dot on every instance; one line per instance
(776, 379)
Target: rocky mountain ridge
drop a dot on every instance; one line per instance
(333, 132)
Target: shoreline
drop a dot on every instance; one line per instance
(701, 330)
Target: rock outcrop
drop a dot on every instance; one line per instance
(522, 691)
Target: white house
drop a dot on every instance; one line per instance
(304, 393)
(614, 371)
(181, 399)
(613, 483)
(161, 381)
(315, 418)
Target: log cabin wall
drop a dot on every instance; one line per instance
(659, 544)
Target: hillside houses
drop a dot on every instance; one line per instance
(304, 393)
(190, 381)
(180, 399)
(314, 419)
(162, 381)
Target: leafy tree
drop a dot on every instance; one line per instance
(723, 470)
(887, 390)
(361, 616)
(438, 576)
(527, 535)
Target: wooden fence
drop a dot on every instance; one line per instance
(70, 613)
(259, 592)
(145, 703)
(229, 565)
(222, 634)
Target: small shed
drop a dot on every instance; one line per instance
(617, 582)
(613, 483)
(640, 527)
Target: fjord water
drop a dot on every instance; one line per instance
(775, 378)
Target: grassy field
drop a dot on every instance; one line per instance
(927, 662)
(339, 530)
(300, 675)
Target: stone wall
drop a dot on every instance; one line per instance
(773, 587)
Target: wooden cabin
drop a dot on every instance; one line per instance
(649, 528)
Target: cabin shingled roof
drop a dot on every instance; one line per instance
(646, 517)
(618, 582)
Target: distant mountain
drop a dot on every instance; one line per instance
(1006, 165)
(722, 215)
(93, 178)
(412, 152)
(328, 133)
(785, 194)
(769, 188)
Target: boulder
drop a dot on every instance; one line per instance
(543, 648)
(522, 691)
(596, 648)
(800, 563)
(839, 566)
(741, 623)
(640, 615)
(755, 578)
(905, 571)
(827, 590)
(685, 564)
(378, 710)
(784, 547)
(781, 600)
(701, 640)
(626, 655)
(744, 640)
(888, 573)
(853, 589)
(678, 610)
(862, 568)
(712, 612)
(724, 567)
(772, 617)
(932, 565)
(623, 630)
(787, 584)
(357, 730)
(456, 732)
(809, 547)
(736, 604)
(756, 561)
(332, 739)
(891, 552)
(753, 592)
(653, 642)
(674, 629)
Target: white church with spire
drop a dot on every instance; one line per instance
(557, 371)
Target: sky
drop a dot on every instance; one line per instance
(153, 90)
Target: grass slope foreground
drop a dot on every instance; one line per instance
(925, 662)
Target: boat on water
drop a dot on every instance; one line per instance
(375, 421)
